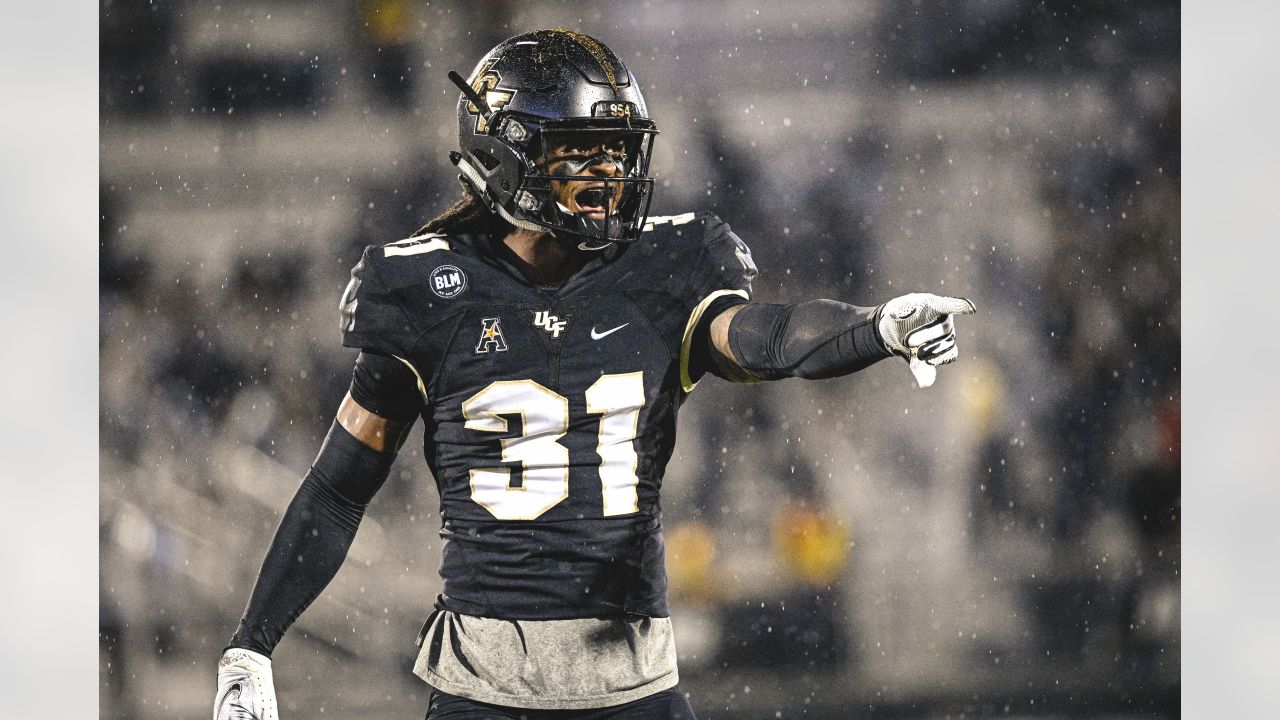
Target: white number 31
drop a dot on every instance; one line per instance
(618, 400)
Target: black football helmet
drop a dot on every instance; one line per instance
(526, 97)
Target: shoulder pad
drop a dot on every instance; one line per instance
(725, 261)
(718, 267)
(373, 317)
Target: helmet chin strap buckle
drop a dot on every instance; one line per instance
(603, 231)
(599, 233)
(522, 224)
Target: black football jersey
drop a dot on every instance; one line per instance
(550, 412)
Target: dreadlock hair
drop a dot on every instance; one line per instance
(467, 215)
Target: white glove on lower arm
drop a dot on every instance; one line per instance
(245, 688)
(920, 328)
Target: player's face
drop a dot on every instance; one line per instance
(598, 155)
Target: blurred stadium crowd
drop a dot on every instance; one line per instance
(1006, 542)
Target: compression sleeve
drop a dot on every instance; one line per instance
(814, 339)
(313, 538)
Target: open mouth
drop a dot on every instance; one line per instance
(591, 202)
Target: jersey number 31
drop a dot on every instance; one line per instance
(618, 400)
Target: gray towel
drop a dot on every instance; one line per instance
(548, 664)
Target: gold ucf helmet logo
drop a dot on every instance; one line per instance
(486, 86)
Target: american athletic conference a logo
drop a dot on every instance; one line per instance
(447, 281)
(491, 336)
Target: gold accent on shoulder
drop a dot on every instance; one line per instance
(422, 388)
(417, 248)
(686, 344)
(680, 219)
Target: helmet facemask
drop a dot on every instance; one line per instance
(554, 136)
(586, 184)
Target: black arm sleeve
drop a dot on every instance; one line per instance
(313, 538)
(814, 339)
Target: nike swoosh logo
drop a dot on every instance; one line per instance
(596, 336)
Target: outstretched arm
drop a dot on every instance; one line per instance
(318, 528)
(827, 338)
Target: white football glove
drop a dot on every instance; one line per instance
(920, 328)
(245, 690)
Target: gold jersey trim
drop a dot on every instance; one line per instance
(421, 387)
(687, 343)
(413, 246)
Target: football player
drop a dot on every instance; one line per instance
(547, 331)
